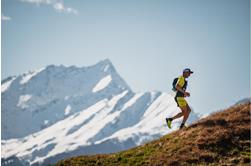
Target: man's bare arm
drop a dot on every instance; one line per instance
(182, 91)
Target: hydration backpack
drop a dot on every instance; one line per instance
(174, 84)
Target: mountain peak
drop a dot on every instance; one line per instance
(105, 65)
(106, 61)
(54, 86)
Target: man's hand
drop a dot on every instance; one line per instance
(186, 94)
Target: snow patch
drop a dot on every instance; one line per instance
(106, 68)
(67, 110)
(28, 76)
(115, 99)
(46, 122)
(6, 85)
(162, 107)
(23, 99)
(132, 101)
(102, 84)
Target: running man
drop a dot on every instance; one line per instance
(180, 87)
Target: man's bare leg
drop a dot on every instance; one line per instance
(169, 120)
(177, 116)
(186, 111)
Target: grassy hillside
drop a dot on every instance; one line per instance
(223, 138)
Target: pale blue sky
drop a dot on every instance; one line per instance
(148, 41)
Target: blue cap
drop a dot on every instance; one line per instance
(188, 70)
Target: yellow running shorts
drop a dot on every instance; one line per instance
(181, 101)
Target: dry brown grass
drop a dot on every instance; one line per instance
(223, 138)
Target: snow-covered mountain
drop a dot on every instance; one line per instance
(57, 112)
(45, 96)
